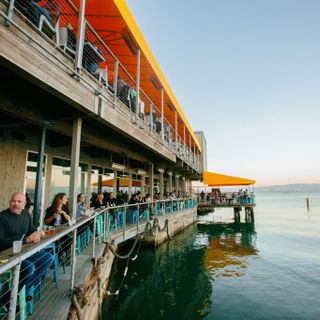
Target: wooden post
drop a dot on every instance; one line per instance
(161, 172)
(75, 156)
(170, 181)
(151, 179)
(115, 177)
(130, 185)
(39, 178)
(88, 191)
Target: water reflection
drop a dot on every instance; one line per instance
(229, 247)
(174, 280)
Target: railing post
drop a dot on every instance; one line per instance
(73, 259)
(162, 114)
(80, 36)
(14, 292)
(124, 223)
(105, 224)
(138, 218)
(115, 82)
(184, 142)
(10, 13)
(151, 117)
(94, 237)
(138, 84)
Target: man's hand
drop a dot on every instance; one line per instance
(33, 237)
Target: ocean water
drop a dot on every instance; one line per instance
(218, 269)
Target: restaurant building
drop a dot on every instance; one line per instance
(84, 107)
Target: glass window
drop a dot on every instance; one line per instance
(60, 177)
(30, 179)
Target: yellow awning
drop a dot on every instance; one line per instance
(220, 180)
(134, 29)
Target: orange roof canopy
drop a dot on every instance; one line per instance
(220, 180)
(109, 18)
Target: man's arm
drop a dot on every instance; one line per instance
(31, 228)
(5, 242)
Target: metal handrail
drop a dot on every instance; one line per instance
(64, 230)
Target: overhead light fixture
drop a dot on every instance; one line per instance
(118, 166)
(130, 42)
(155, 82)
(141, 172)
(160, 170)
(170, 106)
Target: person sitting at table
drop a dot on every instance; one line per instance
(54, 10)
(16, 224)
(111, 201)
(32, 10)
(81, 206)
(72, 39)
(89, 62)
(58, 213)
(98, 203)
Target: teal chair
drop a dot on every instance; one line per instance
(6, 277)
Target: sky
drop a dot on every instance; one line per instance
(247, 73)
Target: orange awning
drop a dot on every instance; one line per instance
(220, 180)
(111, 19)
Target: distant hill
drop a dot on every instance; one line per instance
(298, 187)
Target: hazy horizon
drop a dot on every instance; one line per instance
(247, 73)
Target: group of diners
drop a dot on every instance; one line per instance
(227, 198)
(16, 225)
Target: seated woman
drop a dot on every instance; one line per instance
(81, 206)
(99, 201)
(58, 213)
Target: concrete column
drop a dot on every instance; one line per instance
(115, 178)
(161, 172)
(170, 181)
(75, 155)
(143, 185)
(130, 185)
(88, 189)
(183, 184)
(190, 188)
(177, 183)
(39, 178)
(151, 179)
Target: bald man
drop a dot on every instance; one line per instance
(14, 223)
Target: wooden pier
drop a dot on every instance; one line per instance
(207, 207)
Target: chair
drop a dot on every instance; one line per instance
(103, 76)
(63, 42)
(6, 277)
(46, 27)
(99, 227)
(53, 250)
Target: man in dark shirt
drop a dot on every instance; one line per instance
(14, 223)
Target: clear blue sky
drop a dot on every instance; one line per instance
(247, 73)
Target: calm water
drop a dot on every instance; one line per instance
(221, 270)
